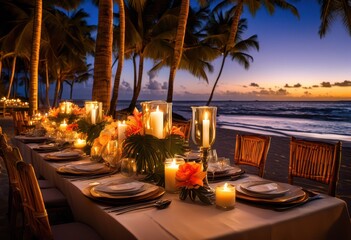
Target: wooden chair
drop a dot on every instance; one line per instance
(21, 122)
(54, 200)
(317, 161)
(37, 221)
(252, 150)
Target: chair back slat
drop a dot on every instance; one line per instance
(318, 161)
(252, 150)
(37, 220)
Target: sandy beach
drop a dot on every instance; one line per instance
(276, 165)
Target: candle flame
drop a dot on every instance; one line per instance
(225, 187)
(206, 116)
(157, 109)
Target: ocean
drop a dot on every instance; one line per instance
(324, 120)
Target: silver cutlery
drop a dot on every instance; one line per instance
(160, 204)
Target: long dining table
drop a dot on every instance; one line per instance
(325, 218)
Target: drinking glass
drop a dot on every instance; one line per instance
(128, 167)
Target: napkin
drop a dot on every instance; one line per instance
(87, 167)
(118, 187)
(66, 154)
(264, 187)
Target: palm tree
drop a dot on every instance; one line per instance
(121, 46)
(34, 63)
(253, 7)
(218, 30)
(103, 54)
(330, 9)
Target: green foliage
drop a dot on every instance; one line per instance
(204, 194)
(92, 131)
(150, 152)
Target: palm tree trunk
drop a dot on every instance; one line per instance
(12, 76)
(178, 47)
(34, 61)
(47, 84)
(137, 88)
(57, 91)
(216, 82)
(122, 30)
(235, 24)
(135, 73)
(103, 55)
(71, 90)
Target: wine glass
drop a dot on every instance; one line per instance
(203, 132)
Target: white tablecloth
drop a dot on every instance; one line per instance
(326, 218)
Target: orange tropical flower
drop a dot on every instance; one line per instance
(190, 175)
(176, 130)
(72, 127)
(134, 124)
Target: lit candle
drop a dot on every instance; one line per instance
(156, 123)
(63, 126)
(79, 143)
(171, 168)
(225, 196)
(122, 126)
(205, 131)
(93, 115)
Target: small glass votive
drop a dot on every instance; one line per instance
(171, 168)
(95, 154)
(225, 196)
(128, 167)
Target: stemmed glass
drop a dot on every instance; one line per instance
(203, 132)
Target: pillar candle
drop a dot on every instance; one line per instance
(171, 168)
(156, 123)
(93, 115)
(225, 196)
(205, 131)
(122, 126)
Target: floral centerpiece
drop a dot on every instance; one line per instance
(190, 179)
(148, 151)
(57, 115)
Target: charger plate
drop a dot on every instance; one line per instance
(293, 196)
(118, 187)
(148, 189)
(84, 169)
(124, 201)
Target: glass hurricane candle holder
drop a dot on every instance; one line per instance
(203, 132)
(66, 107)
(157, 118)
(93, 110)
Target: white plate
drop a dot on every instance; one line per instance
(86, 167)
(263, 189)
(66, 154)
(118, 187)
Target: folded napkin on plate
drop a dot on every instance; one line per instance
(66, 154)
(264, 187)
(87, 167)
(116, 187)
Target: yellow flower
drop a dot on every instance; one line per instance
(190, 175)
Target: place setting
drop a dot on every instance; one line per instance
(276, 195)
(123, 191)
(66, 155)
(220, 169)
(85, 169)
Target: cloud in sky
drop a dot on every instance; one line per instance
(254, 85)
(298, 85)
(326, 84)
(345, 83)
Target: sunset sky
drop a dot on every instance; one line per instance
(293, 64)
